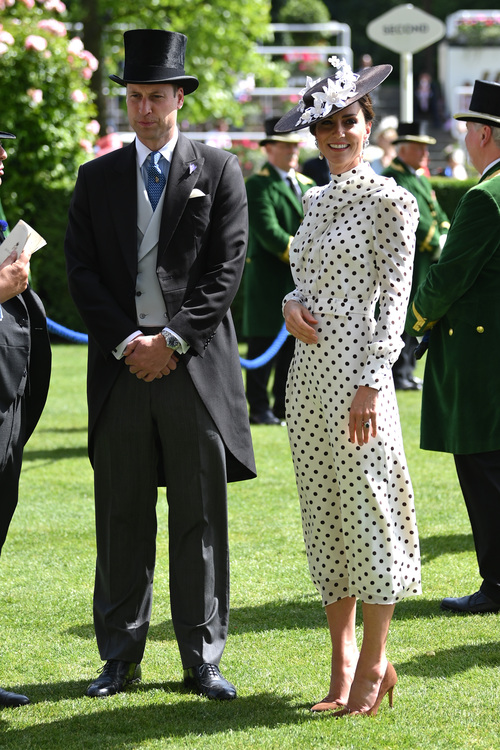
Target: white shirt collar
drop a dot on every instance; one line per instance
(496, 161)
(166, 150)
(284, 175)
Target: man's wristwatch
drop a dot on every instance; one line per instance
(171, 341)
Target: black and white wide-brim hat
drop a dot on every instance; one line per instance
(3, 135)
(321, 99)
(484, 104)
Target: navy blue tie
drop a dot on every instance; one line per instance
(156, 179)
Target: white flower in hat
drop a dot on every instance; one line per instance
(338, 90)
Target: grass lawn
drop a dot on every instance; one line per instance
(278, 653)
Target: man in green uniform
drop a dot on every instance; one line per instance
(274, 212)
(459, 301)
(407, 169)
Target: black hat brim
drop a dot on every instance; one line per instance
(482, 118)
(369, 79)
(3, 135)
(188, 83)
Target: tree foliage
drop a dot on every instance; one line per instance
(221, 48)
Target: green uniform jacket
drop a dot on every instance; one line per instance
(433, 220)
(459, 301)
(274, 213)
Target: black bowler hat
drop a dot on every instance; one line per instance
(332, 94)
(155, 56)
(484, 104)
(3, 134)
(411, 132)
(272, 137)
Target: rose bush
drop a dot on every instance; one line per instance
(47, 103)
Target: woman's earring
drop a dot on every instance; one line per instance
(320, 155)
(366, 144)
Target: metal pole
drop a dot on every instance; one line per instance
(406, 83)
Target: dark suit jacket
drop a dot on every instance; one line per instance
(200, 261)
(24, 346)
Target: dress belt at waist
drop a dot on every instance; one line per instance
(340, 305)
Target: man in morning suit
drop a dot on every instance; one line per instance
(25, 360)
(153, 271)
(275, 212)
(459, 301)
(406, 168)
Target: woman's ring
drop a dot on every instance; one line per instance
(367, 425)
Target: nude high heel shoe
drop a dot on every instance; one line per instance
(387, 685)
(327, 705)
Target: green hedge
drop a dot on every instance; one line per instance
(449, 192)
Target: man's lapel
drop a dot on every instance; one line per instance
(121, 181)
(184, 173)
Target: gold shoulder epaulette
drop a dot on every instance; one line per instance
(303, 178)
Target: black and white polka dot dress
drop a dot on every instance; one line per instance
(353, 252)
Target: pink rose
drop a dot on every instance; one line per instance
(6, 37)
(78, 96)
(56, 5)
(35, 42)
(54, 27)
(36, 95)
(75, 46)
(86, 145)
(93, 127)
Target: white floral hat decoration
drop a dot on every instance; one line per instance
(326, 96)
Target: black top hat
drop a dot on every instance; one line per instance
(271, 136)
(484, 104)
(3, 134)
(332, 94)
(155, 56)
(410, 132)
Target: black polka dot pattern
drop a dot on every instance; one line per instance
(354, 249)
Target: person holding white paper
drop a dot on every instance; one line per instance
(25, 360)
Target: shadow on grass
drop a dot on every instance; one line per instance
(123, 727)
(450, 661)
(306, 612)
(57, 454)
(432, 547)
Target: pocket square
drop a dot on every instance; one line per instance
(195, 193)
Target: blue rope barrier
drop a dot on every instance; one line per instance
(66, 333)
(262, 359)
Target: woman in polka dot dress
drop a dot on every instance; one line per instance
(351, 261)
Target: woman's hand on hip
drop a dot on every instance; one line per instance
(300, 322)
(363, 415)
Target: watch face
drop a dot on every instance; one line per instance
(171, 342)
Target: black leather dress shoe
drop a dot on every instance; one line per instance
(114, 677)
(410, 384)
(473, 604)
(12, 700)
(206, 679)
(264, 417)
